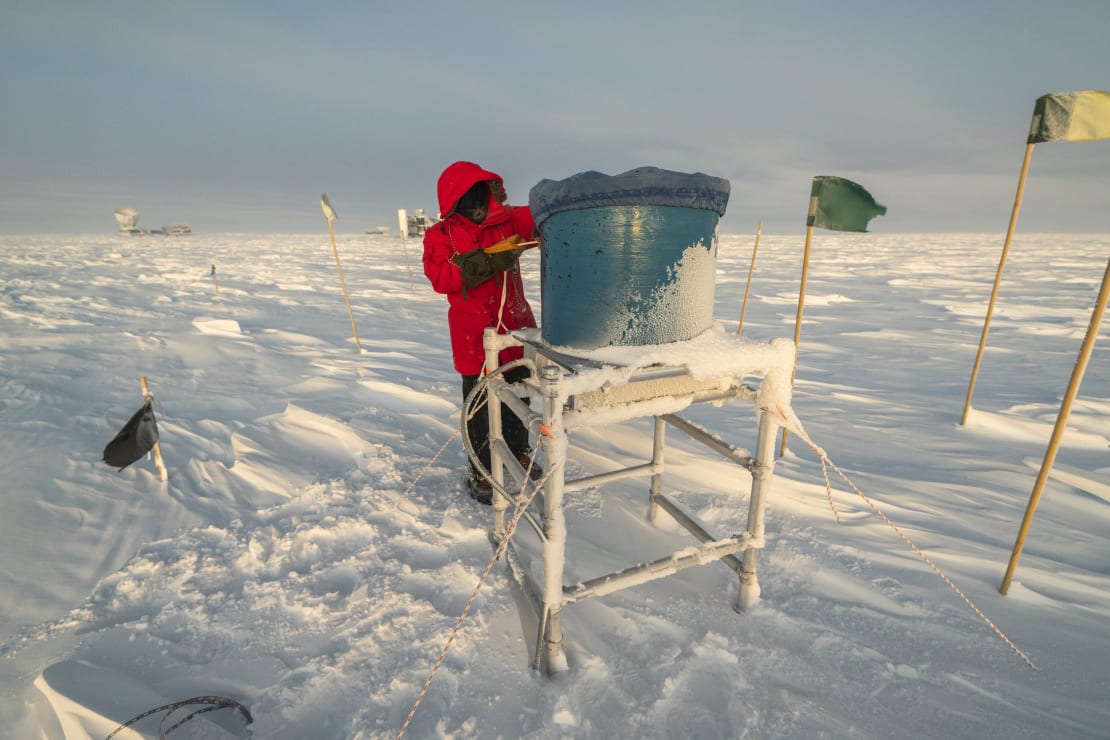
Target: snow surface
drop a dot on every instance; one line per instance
(313, 547)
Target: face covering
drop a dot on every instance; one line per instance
(474, 204)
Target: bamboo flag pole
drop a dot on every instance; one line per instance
(408, 265)
(801, 305)
(402, 216)
(1072, 116)
(157, 447)
(840, 205)
(1061, 423)
(329, 213)
(215, 282)
(744, 306)
(997, 280)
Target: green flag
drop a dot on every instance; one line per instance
(1074, 116)
(841, 205)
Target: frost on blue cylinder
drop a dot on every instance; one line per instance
(627, 259)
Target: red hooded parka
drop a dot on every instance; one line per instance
(468, 317)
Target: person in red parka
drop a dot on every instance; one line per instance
(482, 290)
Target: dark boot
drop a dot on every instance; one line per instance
(535, 472)
(481, 490)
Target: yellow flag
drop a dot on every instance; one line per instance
(1074, 116)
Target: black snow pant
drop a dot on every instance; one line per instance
(512, 428)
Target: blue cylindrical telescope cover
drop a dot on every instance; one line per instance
(627, 259)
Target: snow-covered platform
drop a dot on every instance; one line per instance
(590, 388)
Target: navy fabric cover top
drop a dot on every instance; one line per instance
(641, 186)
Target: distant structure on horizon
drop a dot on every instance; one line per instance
(128, 219)
(414, 225)
(378, 230)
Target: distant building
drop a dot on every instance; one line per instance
(414, 225)
(128, 219)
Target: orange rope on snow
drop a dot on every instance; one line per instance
(826, 463)
(424, 470)
(510, 528)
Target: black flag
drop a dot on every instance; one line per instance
(135, 439)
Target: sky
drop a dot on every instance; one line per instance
(238, 116)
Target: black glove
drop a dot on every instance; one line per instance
(476, 267)
(505, 260)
